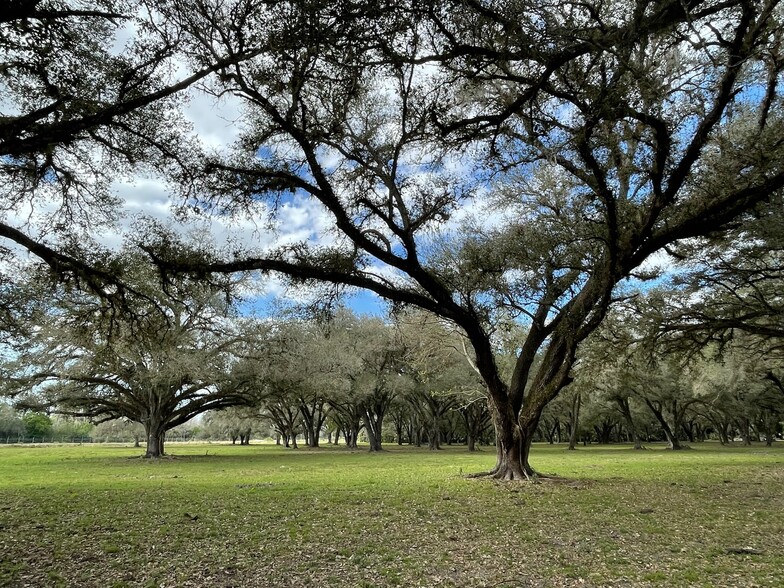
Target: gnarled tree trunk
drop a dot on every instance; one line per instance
(670, 433)
(513, 444)
(154, 432)
(156, 436)
(373, 424)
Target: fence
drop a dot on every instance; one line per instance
(171, 437)
(12, 439)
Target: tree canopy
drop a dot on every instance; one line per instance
(160, 361)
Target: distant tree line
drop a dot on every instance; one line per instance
(178, 350)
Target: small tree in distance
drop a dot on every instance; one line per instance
(159, 361)
(37, 424)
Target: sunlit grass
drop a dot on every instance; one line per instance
(222, 515)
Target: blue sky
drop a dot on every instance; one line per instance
(362, 302)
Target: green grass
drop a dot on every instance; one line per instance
(219, 516)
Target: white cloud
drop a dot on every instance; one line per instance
(660, 261)
(217, 121)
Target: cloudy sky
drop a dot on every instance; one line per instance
(217, 124)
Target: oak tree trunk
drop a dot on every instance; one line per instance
(576, 401)
(373, 422)
(513, 443)
(434, 435)
(155, 435)
(672, 438)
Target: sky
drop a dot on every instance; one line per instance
(217, 124)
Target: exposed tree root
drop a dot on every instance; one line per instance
(508, 475)
(504, 475)
(477, 475)
(164, 456)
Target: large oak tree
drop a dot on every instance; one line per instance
(604, 132)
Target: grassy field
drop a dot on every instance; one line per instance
(220, 516)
